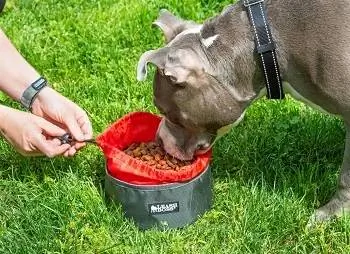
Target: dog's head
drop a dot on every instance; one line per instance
(196, 86)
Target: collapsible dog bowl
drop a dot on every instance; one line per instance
(150, 196)
(173, 205)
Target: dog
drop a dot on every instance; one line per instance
(208, 74)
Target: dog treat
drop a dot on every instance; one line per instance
(154, 155)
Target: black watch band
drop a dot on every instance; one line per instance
(31, 92)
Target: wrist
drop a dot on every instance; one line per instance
(21, 85)
(18, 84)
(31, 93)
(42, 98)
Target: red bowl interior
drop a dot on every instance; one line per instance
(139, 127)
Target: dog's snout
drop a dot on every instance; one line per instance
(204, 146)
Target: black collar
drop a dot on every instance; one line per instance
(265, 47)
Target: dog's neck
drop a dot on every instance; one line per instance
(233, 55)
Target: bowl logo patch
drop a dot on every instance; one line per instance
(162, 208)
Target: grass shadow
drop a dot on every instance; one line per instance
(286, 146)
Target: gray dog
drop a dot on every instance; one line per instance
(207, 75)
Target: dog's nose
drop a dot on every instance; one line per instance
(202, 148)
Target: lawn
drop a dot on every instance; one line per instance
(270, 172)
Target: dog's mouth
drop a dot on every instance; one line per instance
(175, 151)
(178, 153)
(183, 154)
(202, 151)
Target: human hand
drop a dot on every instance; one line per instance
(31, 135)
(62, 112)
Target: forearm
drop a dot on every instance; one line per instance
(4, 111)
(15, 72)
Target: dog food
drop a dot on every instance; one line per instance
(154, 155)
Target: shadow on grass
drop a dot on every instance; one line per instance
(285, 148)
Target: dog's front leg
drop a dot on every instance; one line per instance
(340, 202)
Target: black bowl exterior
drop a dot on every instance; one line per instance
(163, 206)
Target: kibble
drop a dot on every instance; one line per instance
(154, 155)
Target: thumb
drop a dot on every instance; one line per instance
(50, 129)
(74, 128)
(50, 148)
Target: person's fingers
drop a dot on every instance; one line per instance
(60, 149)
(74, 128)
(87, 130)
(79, 145)
(71, 151)
(56, 142)
(85, 126)
(50, 148)
(65, 147)
(50, 129)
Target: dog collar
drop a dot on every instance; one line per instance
(265, 47)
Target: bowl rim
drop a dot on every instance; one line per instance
(156, 187)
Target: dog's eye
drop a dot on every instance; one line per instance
(182, 84)
(171, 78)
(171, 58)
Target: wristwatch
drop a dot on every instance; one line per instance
(32, 92)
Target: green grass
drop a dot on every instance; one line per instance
(270, 172)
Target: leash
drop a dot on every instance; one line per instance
(68, 139)
(265, 47)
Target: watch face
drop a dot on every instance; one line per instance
(39, 85)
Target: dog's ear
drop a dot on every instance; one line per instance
(181, 65)
(172, 25)
(156, 57)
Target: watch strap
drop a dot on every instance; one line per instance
(32, 92)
